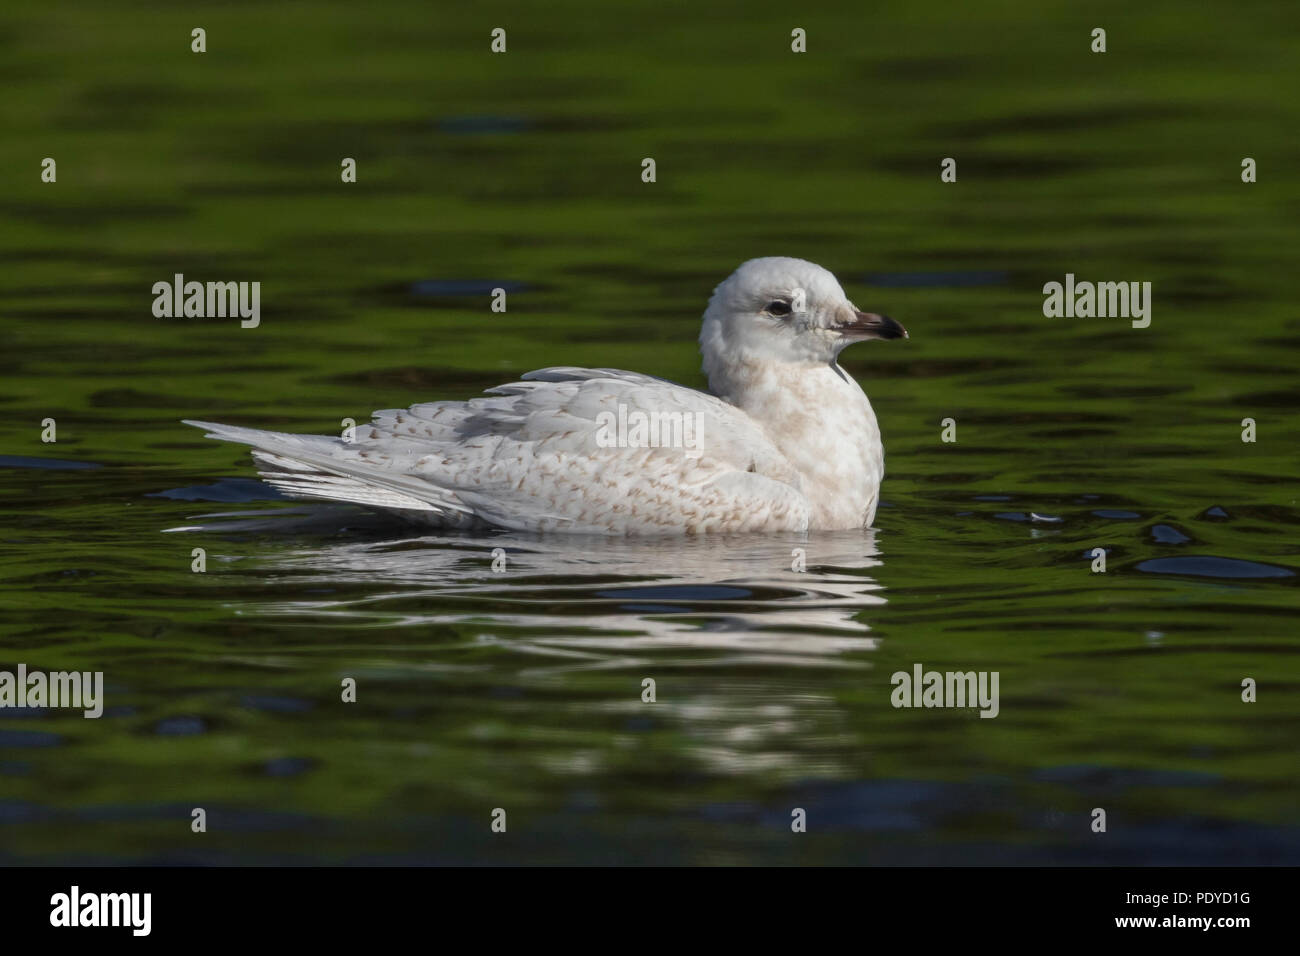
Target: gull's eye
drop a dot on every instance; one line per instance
(779, 307)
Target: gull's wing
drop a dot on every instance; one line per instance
(532, 455)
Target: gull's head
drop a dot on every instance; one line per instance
(781, 310)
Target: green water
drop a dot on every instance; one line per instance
(522, 690)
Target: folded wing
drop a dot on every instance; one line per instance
(564, 449)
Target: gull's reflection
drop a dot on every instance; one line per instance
(583, 602)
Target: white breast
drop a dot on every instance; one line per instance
(823, 423)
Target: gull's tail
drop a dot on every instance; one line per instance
(331, 469)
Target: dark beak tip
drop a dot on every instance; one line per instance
(893, 327)
(879, 326)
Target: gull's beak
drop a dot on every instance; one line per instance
(870, 325)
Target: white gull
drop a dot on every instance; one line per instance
(787, 439)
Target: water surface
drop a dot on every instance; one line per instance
(522, 688)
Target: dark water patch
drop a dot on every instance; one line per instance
(86, 216)
(1269, 515)
(287, 766)
(1116, 515)
(276, 705)
(28, 738)
(180, 726)
(918, 69)
(459, 138)
(1062, 416)
(226, 489)
(30, 713)
(615, 332)
(937, 280)
(1060, 434)
(21, 811)
(1254, 368)
(297, 188)
(1215, 513)
(313, 522)
(132, 398)
(889, 805)
(1196, 291)
(926, 368)
(484, 123)
(992, 165)
(463, 287)
(1209, 566)
(643, 275)
(1012, 516)
(423, 378)
(1155, 646)
(1287, 398)
(1111, 779)
(137, 104)
(1057, 121)
(681, 593)
(1168, 534)
(1123, 391)
(221, 818)
(104, 313)
(130, 812)
(48, 464)
(536, 590)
